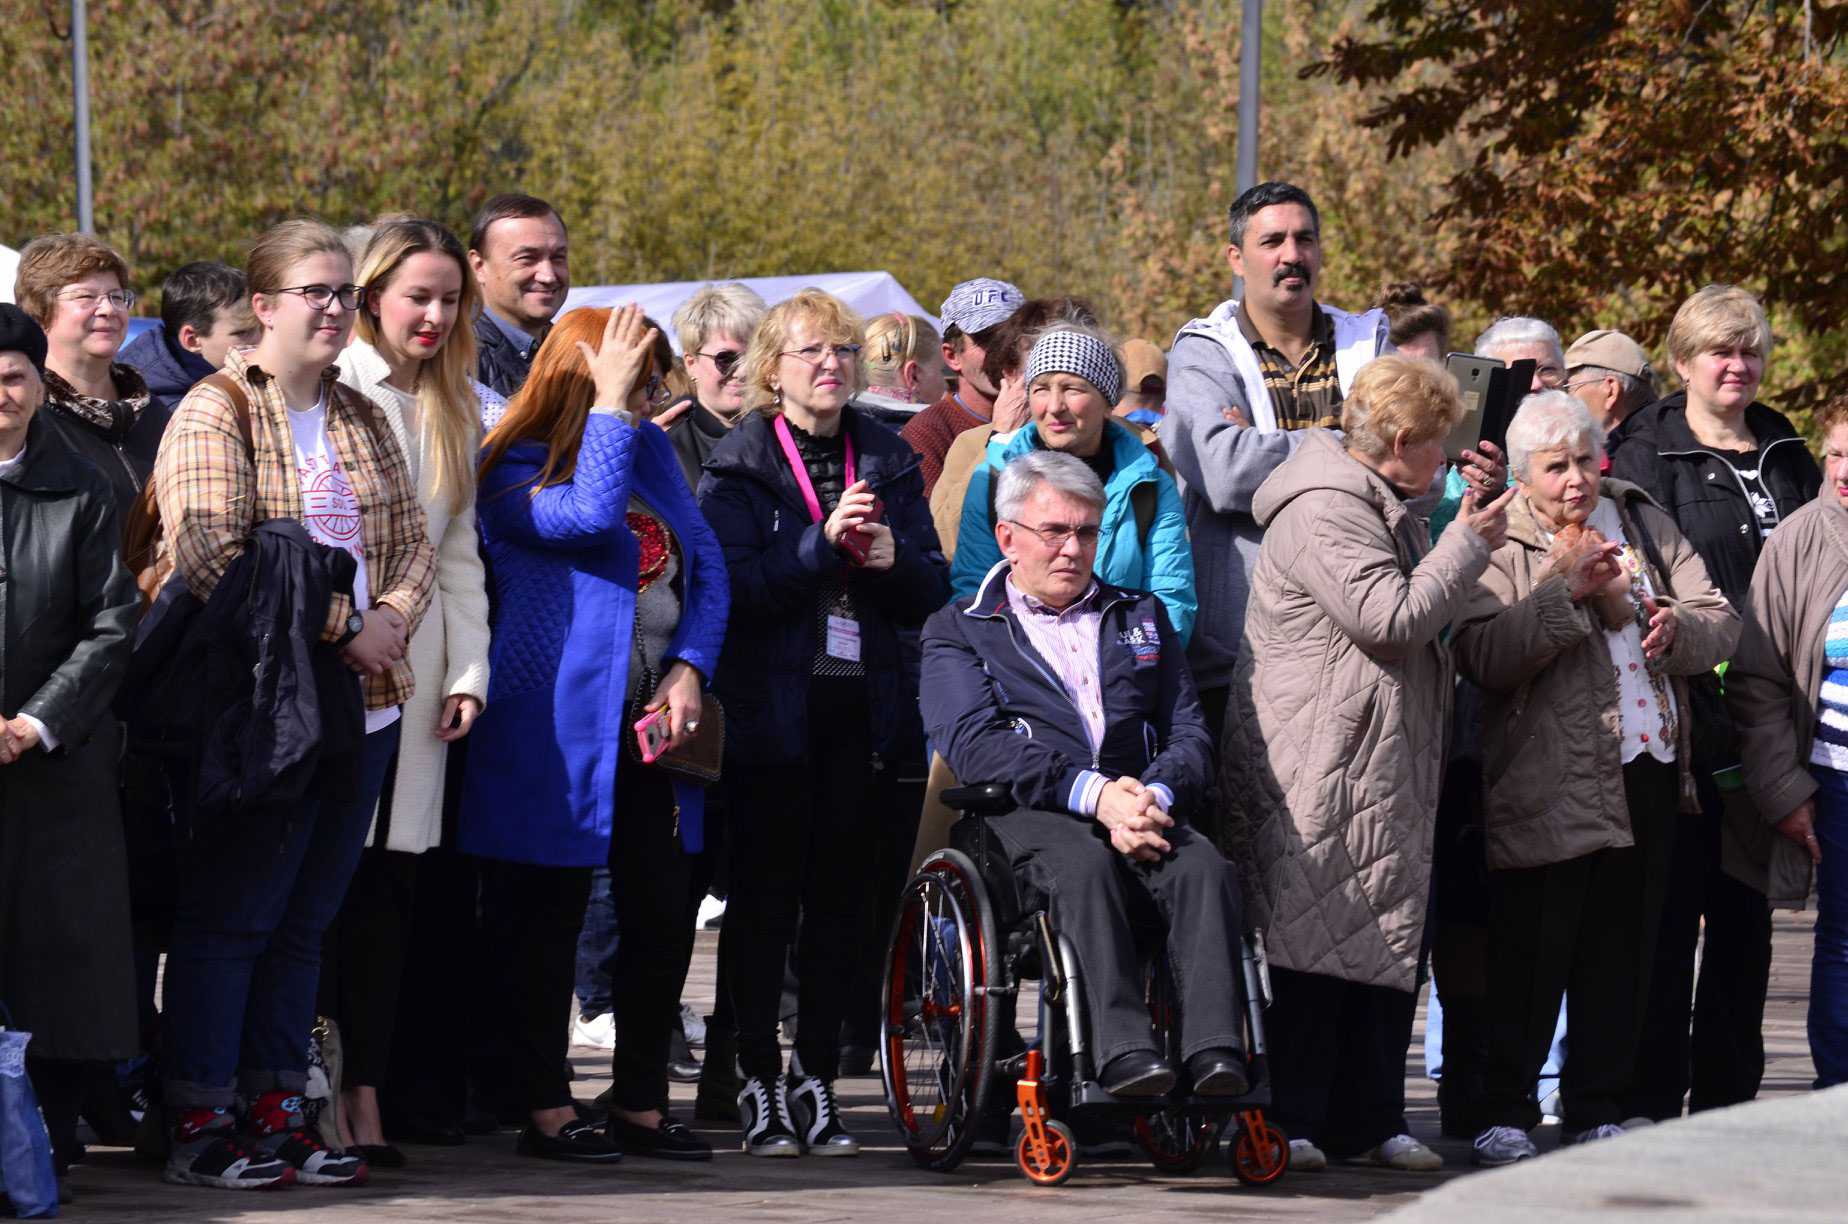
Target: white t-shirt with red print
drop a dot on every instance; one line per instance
(331, 512)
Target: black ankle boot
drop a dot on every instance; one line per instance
(717, 1098)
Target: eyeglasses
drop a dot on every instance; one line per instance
(657, 392)
(84, 300)
(1567, 386)
(319, 296)
(725, 360)
(815, 354)
(1550, 376)
(1055, 534)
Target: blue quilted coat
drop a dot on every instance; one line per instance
(543, 755)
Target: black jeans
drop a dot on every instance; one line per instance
(802, 839)
(1087, 885)
(1584, 928)
(651, 887)
(530, 918)
(1722, 1058)
(1337, 1059)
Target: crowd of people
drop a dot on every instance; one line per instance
(374, 634)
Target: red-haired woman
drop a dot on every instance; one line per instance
(605, 573)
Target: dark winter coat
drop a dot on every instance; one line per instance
(497, 362)
(67, 611)
(169, 370)
(1702, 491)
(777, 558)
(123, 451)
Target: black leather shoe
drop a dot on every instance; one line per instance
(671, 1140)
(1137, 1073)
(379, 1155)
(1218, 1073)
(683, 1070)
(577, 1140)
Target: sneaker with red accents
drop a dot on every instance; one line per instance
(277, 1127)
(207, 1151)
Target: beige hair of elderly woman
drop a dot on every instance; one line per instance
(1549, 421)
(1393, 395)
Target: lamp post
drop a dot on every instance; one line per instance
(1251, 40)
(80, 89)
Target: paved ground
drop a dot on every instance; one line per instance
(483, 1181)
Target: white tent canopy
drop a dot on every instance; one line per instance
(9, 268)
(869, 293)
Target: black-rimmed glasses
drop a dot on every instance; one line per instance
(1054, 535)
(318, 296)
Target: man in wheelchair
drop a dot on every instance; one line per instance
(1075, 693)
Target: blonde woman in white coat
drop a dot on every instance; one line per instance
(412, 356)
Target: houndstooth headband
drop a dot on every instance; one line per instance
(1070, 352)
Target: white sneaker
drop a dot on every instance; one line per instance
(711, 910)
(1503, 1145)
(1306, 1157)
(597, 1032)
(1636, 1123)
(1401, 1152)
(816, 1117)
(1608, 1131)
(694, 1026)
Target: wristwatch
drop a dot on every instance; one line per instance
(355, 623)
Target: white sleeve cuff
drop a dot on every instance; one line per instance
(1086, 791)
(47, 740)
(1163, 795)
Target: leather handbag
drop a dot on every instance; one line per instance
(700, 759)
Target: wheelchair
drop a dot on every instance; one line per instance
(962, 945)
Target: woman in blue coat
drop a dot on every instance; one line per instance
(604, 571)
(830, 546)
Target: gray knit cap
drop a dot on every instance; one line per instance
(1080, 353)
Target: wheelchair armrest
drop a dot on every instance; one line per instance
(980, 799)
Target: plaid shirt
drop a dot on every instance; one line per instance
(1305, 395)
(211, 496)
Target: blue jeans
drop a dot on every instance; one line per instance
(596, 949)
(242, 972)
(1828, 1006)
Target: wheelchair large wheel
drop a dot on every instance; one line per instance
(939, 1028)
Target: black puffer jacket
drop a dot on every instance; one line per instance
(1702, 491)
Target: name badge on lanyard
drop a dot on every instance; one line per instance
(843, 629)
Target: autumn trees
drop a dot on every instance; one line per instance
(1589, 162)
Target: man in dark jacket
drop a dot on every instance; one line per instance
(519, 252)
(204, 312)
(1078, 695)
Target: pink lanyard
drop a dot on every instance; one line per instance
(796, 465)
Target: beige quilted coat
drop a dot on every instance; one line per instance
(1334, 739)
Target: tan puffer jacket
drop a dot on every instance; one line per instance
(1334, 737)
(1552, 733)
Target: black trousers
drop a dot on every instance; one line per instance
(1584, 928)
(1720, 1056)
(362, 962)
(1337, 1057)
(652, 880)
(1087, 885)
(531, 917)
(802, 839)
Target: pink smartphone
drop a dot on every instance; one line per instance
(652, 734)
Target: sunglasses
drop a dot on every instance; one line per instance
(725, 360)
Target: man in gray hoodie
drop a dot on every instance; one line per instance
(1243, 384)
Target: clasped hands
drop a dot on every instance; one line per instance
(17, 737)
(380, 644)
(1133, 814)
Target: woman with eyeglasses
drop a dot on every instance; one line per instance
(713, 326)
(826, 534)
(611, 606)
(259, 885)
(76, 288)
(414, 361)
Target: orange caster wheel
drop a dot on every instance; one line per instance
(1050, 1162)
(1261, 1153)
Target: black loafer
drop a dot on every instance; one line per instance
(577, 1140)
(1218, 1073)
(671, 1140)
(683, 1070)
(1137, 1073)
(379, 1155)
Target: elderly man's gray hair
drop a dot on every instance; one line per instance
(1519, 329)
(1064, 473)
(1550, 421)
(1632, 392)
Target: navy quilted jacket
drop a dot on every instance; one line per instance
(777, 557)
(542, 773)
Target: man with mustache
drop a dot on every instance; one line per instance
(519, 252)
(1243, 383)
